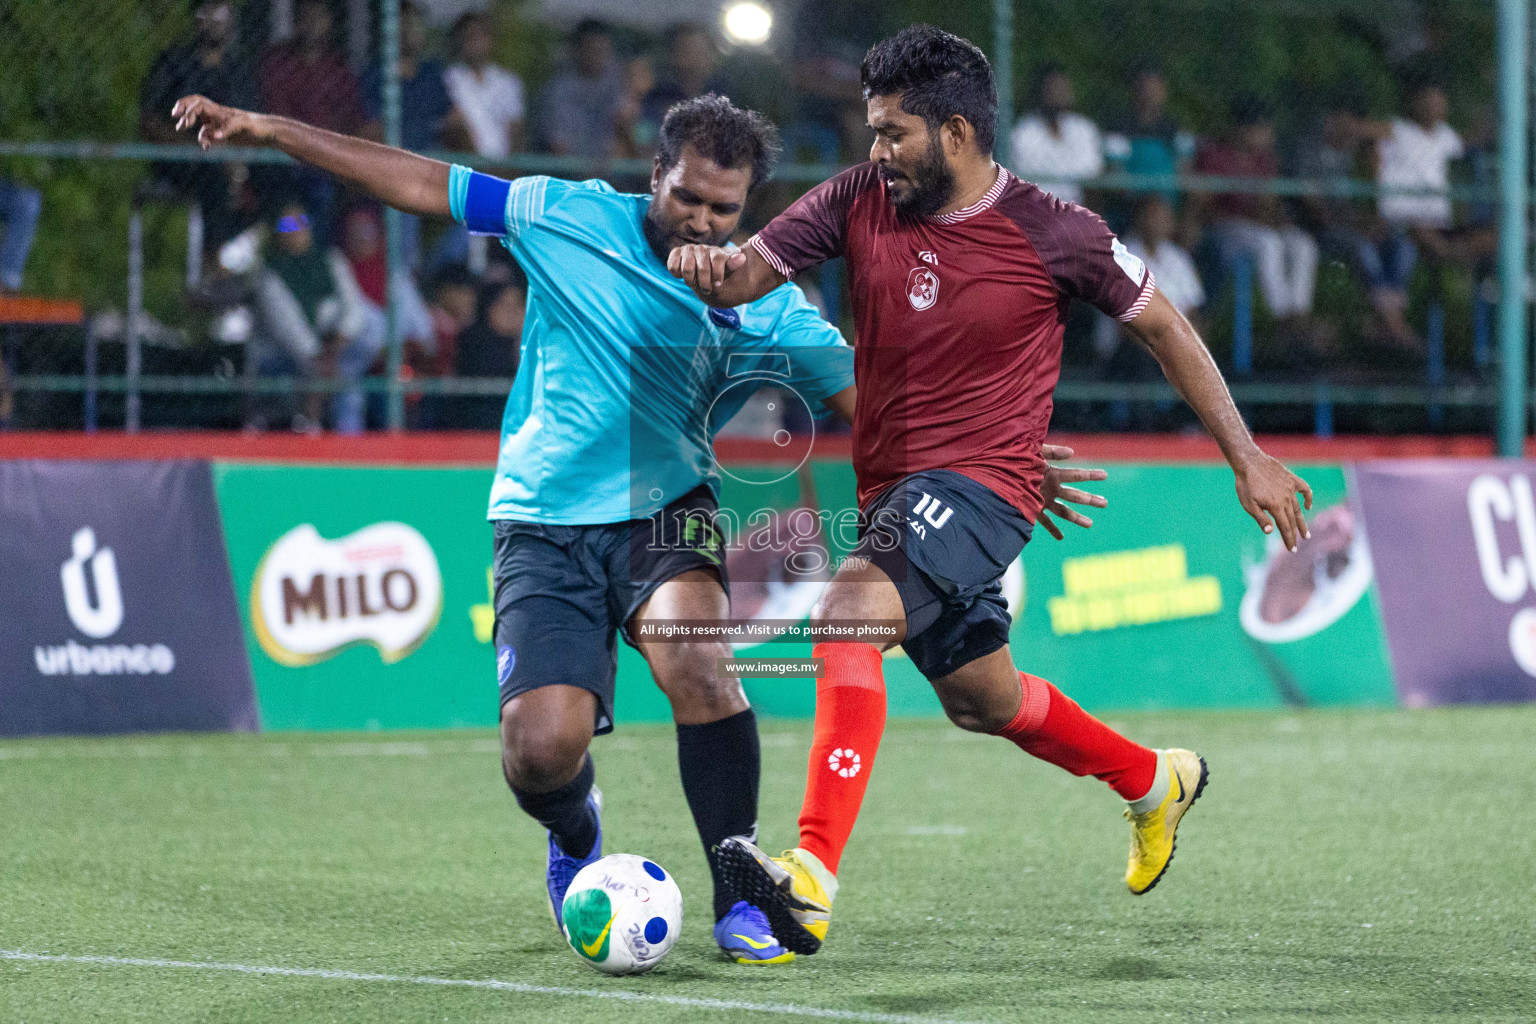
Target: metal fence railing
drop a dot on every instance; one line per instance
(148, 245)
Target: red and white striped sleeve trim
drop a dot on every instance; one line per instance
(756, 242)
(1147, 288)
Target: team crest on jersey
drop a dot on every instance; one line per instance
(922, 288)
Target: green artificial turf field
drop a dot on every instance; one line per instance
(1344, 865)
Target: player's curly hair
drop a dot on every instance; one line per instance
(721, 131)
(938, 75)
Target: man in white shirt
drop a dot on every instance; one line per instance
(1416, 154)
(488, 103)
(1411, 153)
(1054, 146)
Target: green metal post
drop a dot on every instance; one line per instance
(1002, 72)
(1513, 103)
(394, 256)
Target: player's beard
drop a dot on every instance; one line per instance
(662, 239)
(932, 183)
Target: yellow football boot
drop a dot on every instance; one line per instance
(1152, 832)
(795, 891)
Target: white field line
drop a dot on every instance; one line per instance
(692, 1002)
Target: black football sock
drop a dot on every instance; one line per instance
(720, 763)
(564, 811)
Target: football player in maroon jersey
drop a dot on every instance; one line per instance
(961, 276)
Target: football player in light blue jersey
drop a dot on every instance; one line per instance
(605, 486)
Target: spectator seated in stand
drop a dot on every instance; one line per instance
(424, 102)
(452, 296)
(314, 321)
(637, 137)
(1416, 152)
(206, 64)
(1256, 226)
(1333, 151)
(581, 106)
(308, 79)
(362, 242)
(424, 108)
(20, 209)
(489, 348)
(1149, 141)
(455, 294)
(1410, 153)
(692, 60)
(1152, 240)
(829, 115)
(488, 100)
(1054, 146)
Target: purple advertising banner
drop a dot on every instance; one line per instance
(117, 609)
(1454, 544)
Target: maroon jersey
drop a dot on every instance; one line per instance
(959, 320)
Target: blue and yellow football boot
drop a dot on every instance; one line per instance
(744, 936)
(795, 891)
(562, 867)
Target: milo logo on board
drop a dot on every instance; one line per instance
(313, 597)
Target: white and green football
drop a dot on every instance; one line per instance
(622, 914)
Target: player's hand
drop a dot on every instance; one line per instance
(704, 267)
(217, 123)
(1054, 493)
(1267, 491)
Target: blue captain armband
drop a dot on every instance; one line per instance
(478, 201)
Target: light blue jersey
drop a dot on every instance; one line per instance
(625, 374)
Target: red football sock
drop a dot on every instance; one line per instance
(850, 718)
(1052, 727)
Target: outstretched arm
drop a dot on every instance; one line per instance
(1266, 489)
(407, 182)
(724, 277)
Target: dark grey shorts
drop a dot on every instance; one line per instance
(565, 593)
(945, 541)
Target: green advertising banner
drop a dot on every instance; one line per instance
(340, 638)
(365, 594)
(1173, 599)
(363, 591)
